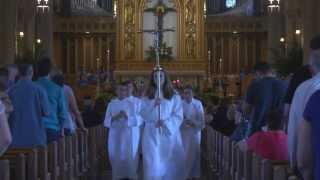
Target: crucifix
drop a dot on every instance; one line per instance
(159, 11)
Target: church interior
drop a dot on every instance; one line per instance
(213, 45)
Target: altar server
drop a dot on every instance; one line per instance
(123, 120)
(193, 123)
(163, 154)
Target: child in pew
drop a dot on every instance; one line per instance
(243, 127)
(271, 144)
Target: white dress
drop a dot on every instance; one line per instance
(124, 137)
(191, 136)
(163, 153)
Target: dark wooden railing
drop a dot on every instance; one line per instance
(67, 159)
(225, 161)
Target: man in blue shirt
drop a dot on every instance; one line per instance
(264, 95)
(30, 104)
(58, 108)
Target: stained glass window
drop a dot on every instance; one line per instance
(230, 3)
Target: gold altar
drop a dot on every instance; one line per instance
(190, 62)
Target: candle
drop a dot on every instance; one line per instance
(108, 63)
(209, 64)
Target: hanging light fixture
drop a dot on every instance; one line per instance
(274, 5)
(205, 9)
(115, 9)
(42, 4)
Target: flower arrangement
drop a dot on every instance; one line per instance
(165, 52)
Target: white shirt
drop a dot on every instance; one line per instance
(300, 99)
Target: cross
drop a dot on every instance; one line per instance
(160, 10)
(158, 35)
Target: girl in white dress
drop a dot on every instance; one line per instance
(163, 154)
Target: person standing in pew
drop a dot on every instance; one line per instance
(271, 144)
(58, 106)
(31, 105)
(191, 128)
(4, 97)
(74, 116)
(5, 135)
(13, 73)
(123, 120)
(300, 100)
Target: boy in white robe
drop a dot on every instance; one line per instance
(123, 120)
(191, 128)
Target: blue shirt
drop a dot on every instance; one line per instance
(265, 95)
(30, 104)
(312, 115)
(58, 107)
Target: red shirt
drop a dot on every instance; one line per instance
(272, 145)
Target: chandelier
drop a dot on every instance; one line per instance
(115, 9)
(42, 4)
(274, 5)
(205, 9)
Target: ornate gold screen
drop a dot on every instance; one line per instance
(190, 39)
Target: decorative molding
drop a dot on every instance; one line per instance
(80, 24)
(239, 24)
(190, 28)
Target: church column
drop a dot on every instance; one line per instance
(231, 55)
(246, 64)
(221, 63)
(84, 53)
(76, 55)
(274, 32)
(238, 54)
(100, 51)
(44, 26)
(254, 52)
(68, 56)
(214, 53)
(92, 55)
(7, 31)
(311, 19)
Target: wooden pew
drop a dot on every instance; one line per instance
(4, 170)
(92, 139)
(233, 166)
(53, 164)
(239, 174)
(70, 175)
(82, 158)
(256, 166)
(66, 159)
(229, 163)
(31, 161)
(226, 158)
(279, 173)
(43, 163)
(36, 161)
(76, 155)
(17, 165)
(207, 151)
